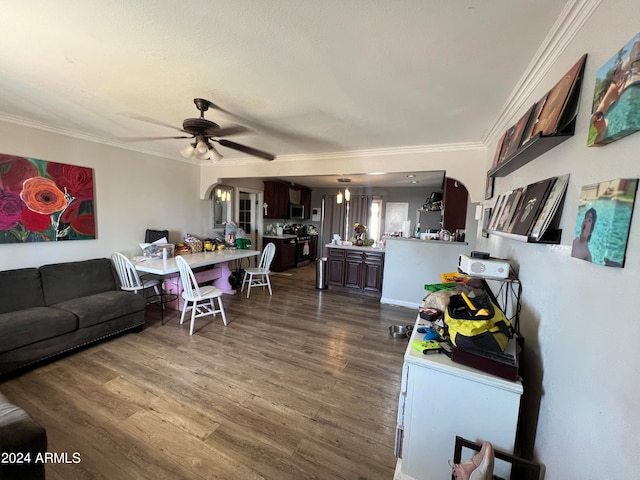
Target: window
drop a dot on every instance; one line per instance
(375, 219)
(397, 213)
(245, 213)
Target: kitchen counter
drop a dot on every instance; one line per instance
(355, 247)
(283, 236)
(417, 240)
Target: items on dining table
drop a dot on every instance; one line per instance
(193, 242)
(158, 249)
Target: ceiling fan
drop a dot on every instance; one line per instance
(203, 132)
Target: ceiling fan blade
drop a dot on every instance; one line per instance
(210, 104)
(225, 132)
(154, 121)
(148, 139)
(245, 149)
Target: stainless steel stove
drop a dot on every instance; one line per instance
(303, 243)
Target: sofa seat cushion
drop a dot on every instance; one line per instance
(102, 307)
(32, 325)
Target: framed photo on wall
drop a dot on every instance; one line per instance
(516, 138)
(556, 101)
(496, 157)
(488, 192)
(547, 213)
(615, 96)
(496, 212)
(533, 198)
(508, 135)
(486, 217)
(533, 121)
(604, 218)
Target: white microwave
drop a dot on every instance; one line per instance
(296, 211)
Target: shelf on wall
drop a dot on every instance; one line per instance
(535, 147)
(551, 236)
(540, 144)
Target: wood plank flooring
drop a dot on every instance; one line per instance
(300, 385)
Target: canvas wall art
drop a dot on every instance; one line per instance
(616, 96)
(604, 219)
(43, 201)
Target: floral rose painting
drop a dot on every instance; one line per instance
(44, 201)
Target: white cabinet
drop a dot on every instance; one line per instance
(440, 399)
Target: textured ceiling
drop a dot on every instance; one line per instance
(306, 76)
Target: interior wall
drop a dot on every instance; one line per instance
(580, 366)
(133, 192)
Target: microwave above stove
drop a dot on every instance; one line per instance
(296, 211)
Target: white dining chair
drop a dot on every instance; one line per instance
(129, 279)
(261, 272)
(198, 299)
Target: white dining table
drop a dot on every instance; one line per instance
(166, 267)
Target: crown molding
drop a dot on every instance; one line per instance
(348, 154)
(353, 154)
(571, 20)
(23, 122)
(385, 152)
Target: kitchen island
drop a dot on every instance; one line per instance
(355, 270)
(411, 263)
(285, 257)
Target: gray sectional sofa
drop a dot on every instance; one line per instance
(55, 308)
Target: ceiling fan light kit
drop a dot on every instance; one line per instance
(214, 154)
(202, 147)
(188, 150)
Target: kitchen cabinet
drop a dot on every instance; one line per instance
(356, 270)
(335, 267)
(276, 196)
(285, 256)
(454, 215)
(305, 200)
(440, 399)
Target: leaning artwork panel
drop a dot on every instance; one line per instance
(616, 96)
(603, 222)
(42, 201)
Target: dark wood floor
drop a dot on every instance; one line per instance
(300, 385)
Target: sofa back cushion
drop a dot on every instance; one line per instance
(20, 289)
(64, 281)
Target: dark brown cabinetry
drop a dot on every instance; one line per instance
(355, 271)
(305, 200)
(454, 205)
(285, 257)
(276, 196)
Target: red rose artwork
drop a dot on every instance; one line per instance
(44, 201)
